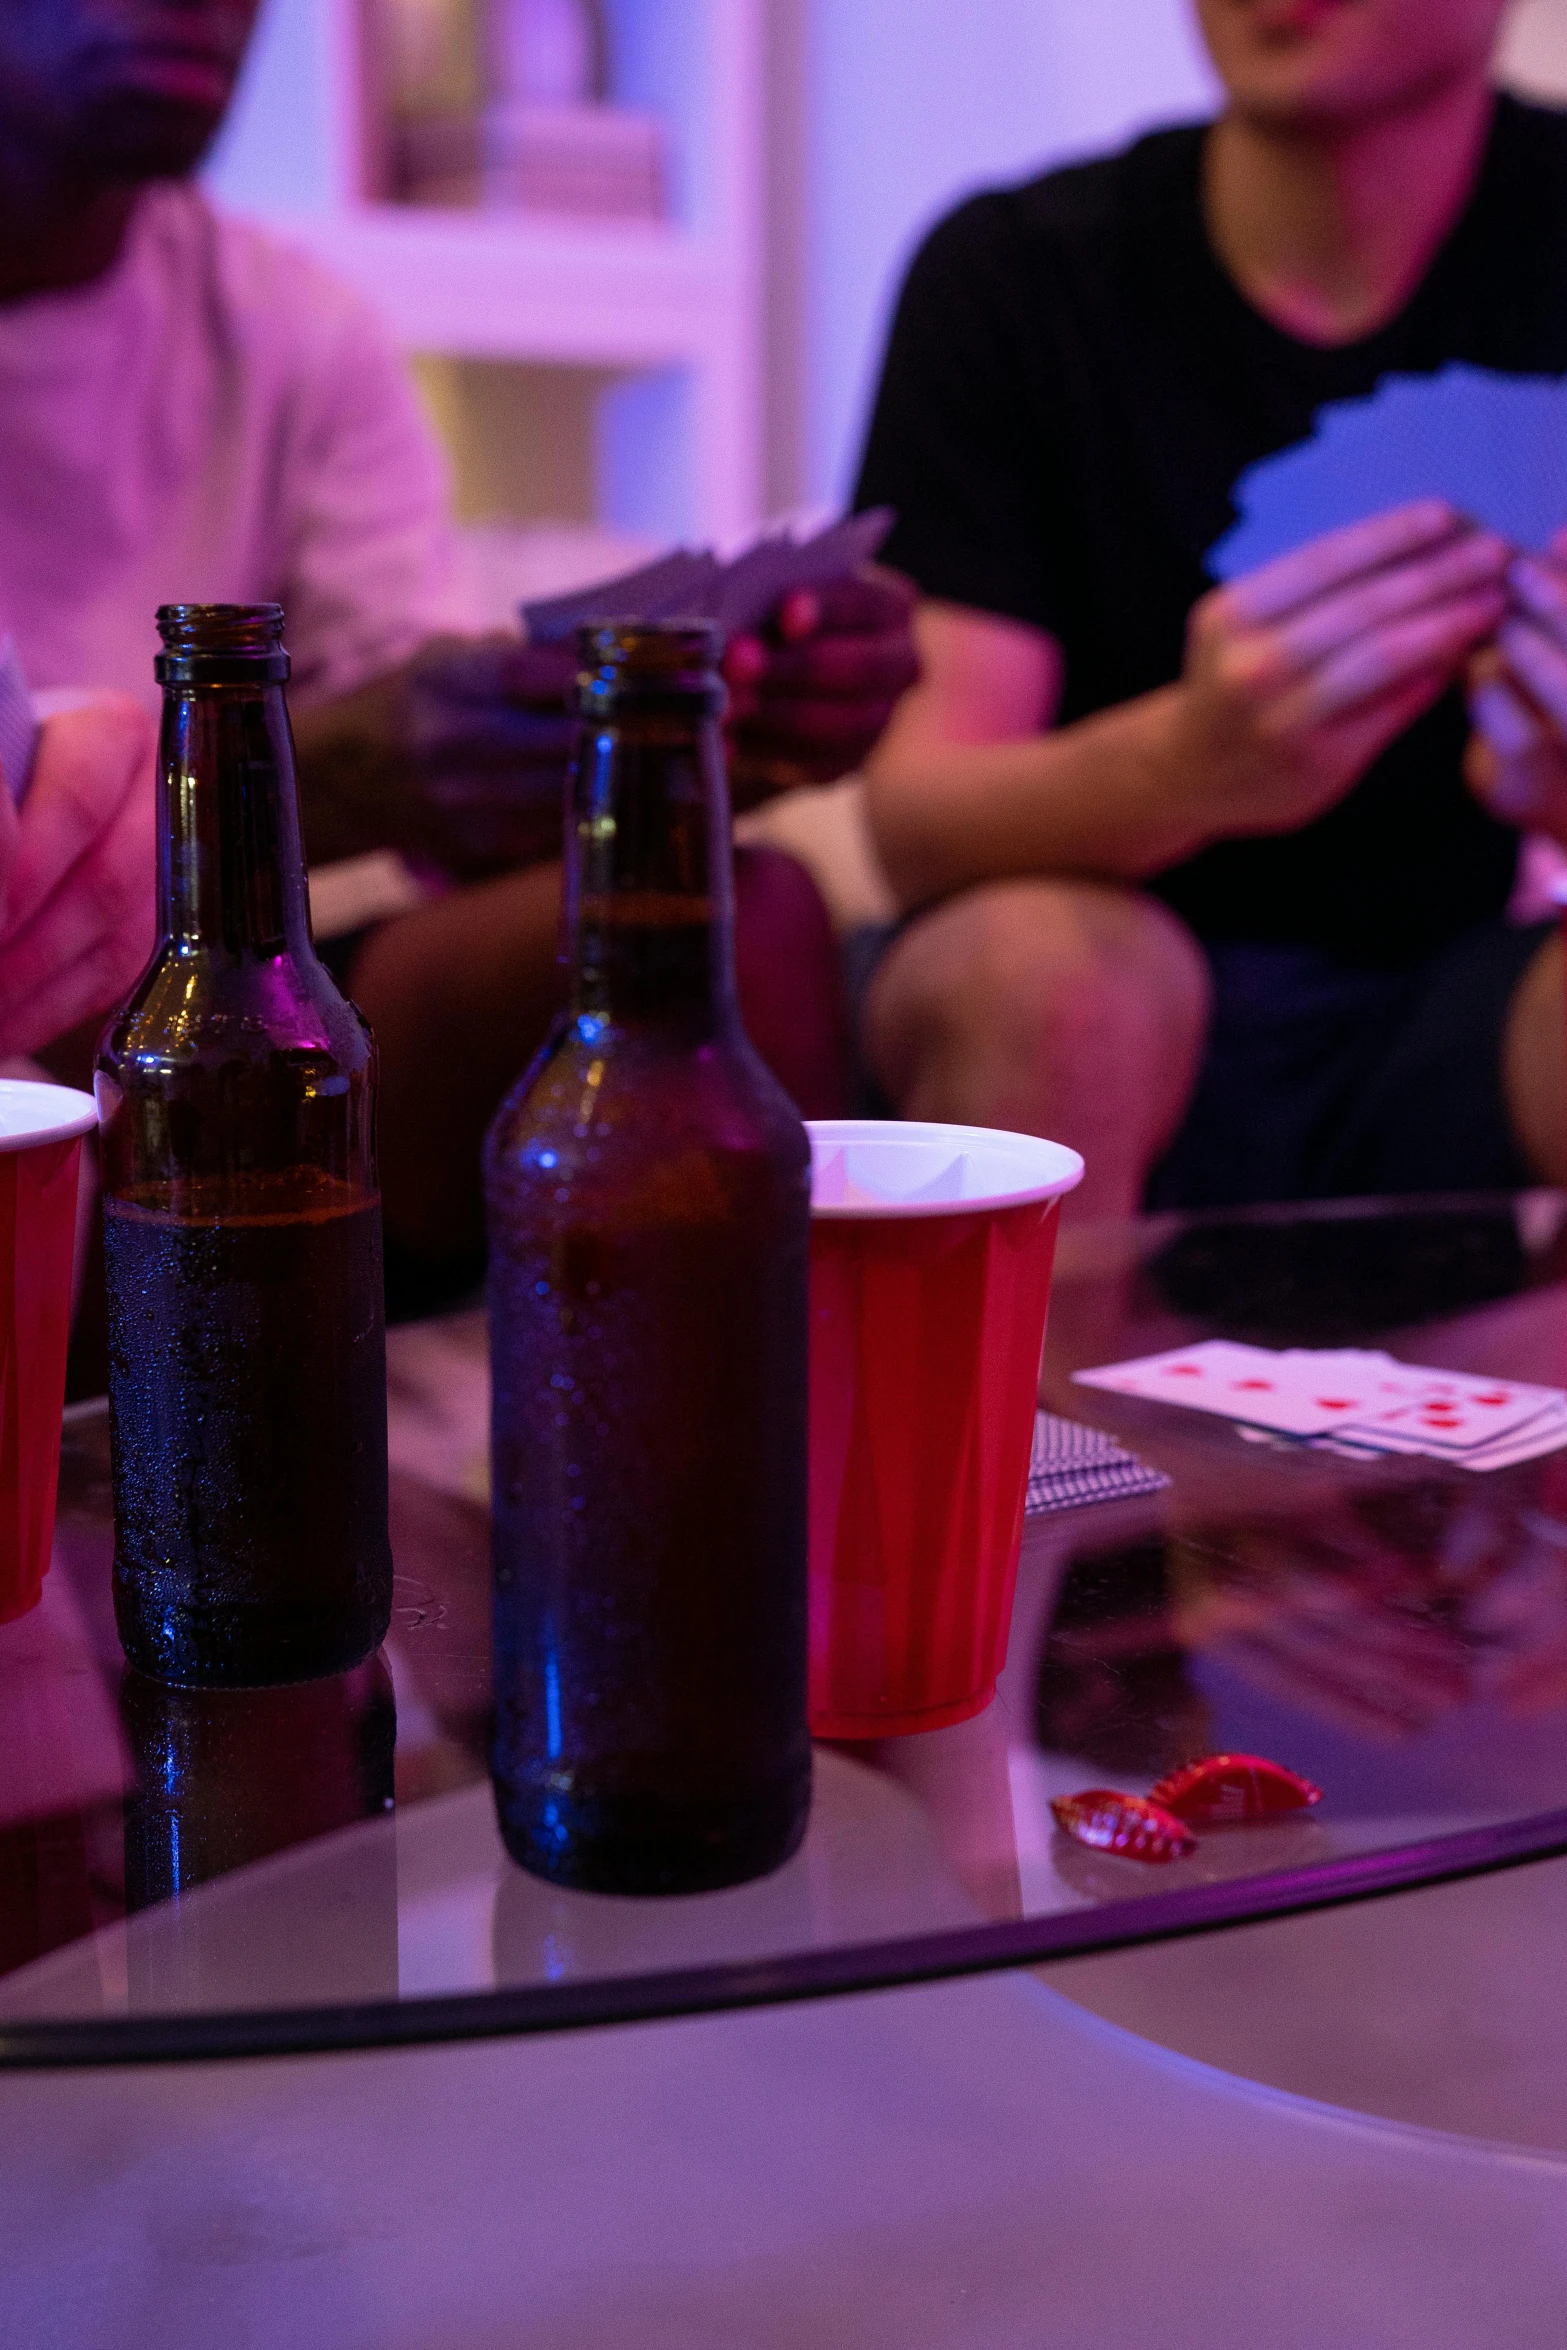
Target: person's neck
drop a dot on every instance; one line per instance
(1327, 229)
(57, 233)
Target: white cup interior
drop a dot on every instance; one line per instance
(31, 1113)
(896, 1167)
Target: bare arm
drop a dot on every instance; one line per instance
(1295, 680)
(968, 784)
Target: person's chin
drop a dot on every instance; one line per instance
(126, 136)
(1325, 104)
(1285, 99)
(1330, 66)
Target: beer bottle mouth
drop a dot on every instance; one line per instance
(674, 662)
(221, 644)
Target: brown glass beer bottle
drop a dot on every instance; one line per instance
(242, 1219)
(648, 1195)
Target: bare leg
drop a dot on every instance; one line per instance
(1534, 1063)
(461, 995)
(789, 980)
(1064, 1008)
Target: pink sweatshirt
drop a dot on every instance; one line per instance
(216, 420)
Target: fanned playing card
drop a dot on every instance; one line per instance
(1494, 446)
(18, 724)
(692, 584)
(775, 567)
(678, 583)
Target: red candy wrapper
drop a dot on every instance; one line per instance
(1224, 1790)
(1126, 1824)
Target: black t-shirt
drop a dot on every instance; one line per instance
(1072, 386)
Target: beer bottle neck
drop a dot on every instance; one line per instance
(231, 876)
(649, 884)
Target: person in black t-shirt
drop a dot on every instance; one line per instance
(1211, 882)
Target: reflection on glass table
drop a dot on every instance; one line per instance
(188, 1873)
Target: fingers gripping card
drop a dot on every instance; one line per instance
(692, 584)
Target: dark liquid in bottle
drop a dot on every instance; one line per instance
(649, 1406)
(251, 1544)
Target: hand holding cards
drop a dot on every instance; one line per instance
(1351, 1400)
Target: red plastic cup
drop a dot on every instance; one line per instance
(41, 1129)
(931, 1253)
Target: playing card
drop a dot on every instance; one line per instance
(18, 726)
(679, 582)
(757, 579)
(1298, 1392)
(1545, 1433)
(1071, 1465)
(1351, 1399)
(1493, 445)
(692, 584)
(1455, 1414)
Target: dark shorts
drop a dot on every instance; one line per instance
(1324, 1080)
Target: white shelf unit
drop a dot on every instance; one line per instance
(666, 316)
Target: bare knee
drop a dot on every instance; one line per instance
(1042, 978)
(1070, 1009)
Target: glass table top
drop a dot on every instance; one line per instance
(189, 1874)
